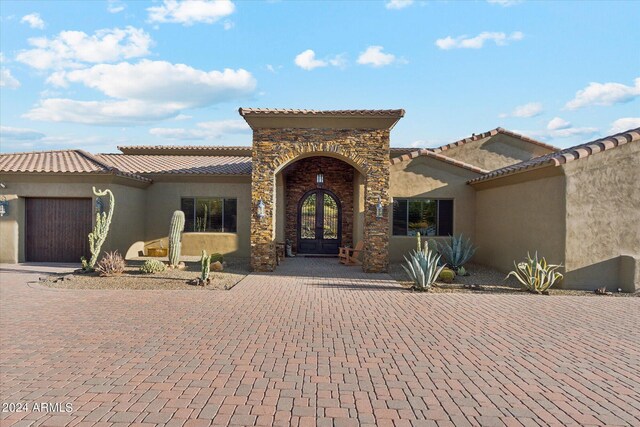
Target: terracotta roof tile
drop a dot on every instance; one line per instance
(427, 152)
(179, 164)
(297, 112)
(60, 161)
(206, 150)
(564, 156)
(72, 161)
(477, 137)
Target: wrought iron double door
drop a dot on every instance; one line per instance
(319, 223)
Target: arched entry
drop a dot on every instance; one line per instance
(319, 223)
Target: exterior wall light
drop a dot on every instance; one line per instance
(261, 208)
(379, 208)
(320, 179)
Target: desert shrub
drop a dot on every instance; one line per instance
(111, 264)
(422, 268)
(535, 274)
(216, 258)
(151, 266)
(456, 251)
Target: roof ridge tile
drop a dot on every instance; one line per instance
(565, 155)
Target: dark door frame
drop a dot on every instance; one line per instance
(319, 217)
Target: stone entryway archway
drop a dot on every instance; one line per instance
(357, 137)
(319, 223)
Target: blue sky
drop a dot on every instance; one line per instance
(98, 74)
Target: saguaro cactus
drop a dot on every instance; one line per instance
(101, 228)
(175, 229)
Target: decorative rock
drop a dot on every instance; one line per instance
(217, 266)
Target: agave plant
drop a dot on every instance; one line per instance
(456, 251)
(422, 267)
(535, 274)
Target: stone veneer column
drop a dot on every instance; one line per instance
(376, 230)
(366, 149)
(263, 255)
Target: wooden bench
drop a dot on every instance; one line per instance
(349, 256)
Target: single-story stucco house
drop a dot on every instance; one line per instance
(325, 179)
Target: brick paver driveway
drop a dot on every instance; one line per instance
(318, 344)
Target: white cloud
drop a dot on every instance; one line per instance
(115, 6)
(20, 134)
(375, 57)
(604, 94)
(161, 81)
(398, 4)
(34, 21)
(191, 12)
(227, 25)
(204, 130)
(532, 109)
(70, 49)
(273, 68)
(143, 92)
(560, 128)
(477, 42)
(106, 113)
(307, 60)
(625, 124)
(504, 3)
(2, 59)
(558, 123)
(7, 80)
(339, 61)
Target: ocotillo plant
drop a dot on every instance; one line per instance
(101, 228)
(175, 229)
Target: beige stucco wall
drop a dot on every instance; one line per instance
(603, 219)
(519, 214)
(163, 198)
(9, 237)
(127, 226)
(426, 177)
(495, 152)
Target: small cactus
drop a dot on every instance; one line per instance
(175, 231)
(419, 242)
(205, 262)
(151, 266)
(447, 275)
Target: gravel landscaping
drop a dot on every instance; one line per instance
(487, 280)
(235, 270)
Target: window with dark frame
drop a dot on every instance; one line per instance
(209, 214)
(430, 217)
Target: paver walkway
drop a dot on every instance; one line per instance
(317, 344)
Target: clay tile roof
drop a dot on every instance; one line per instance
(207, 150)
(428, 153)
(325, 113)
(179, 164)
(567, 155)
(477, 137)
(60, 161)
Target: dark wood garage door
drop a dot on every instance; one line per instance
(57, 229)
